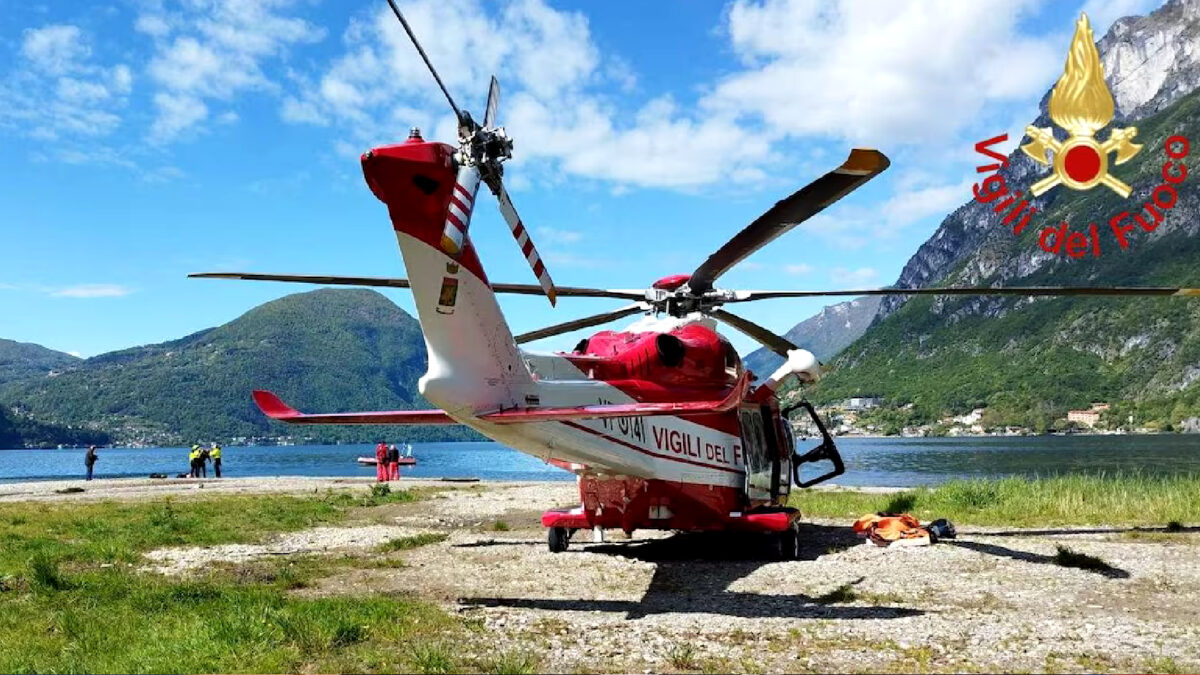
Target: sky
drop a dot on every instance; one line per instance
(141, 140)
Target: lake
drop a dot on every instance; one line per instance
(869, 461)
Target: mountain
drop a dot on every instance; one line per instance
(824, 334)
(1030, 360)
(19, 360)
(327, 350)
(21, 432)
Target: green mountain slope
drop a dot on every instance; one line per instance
(20, 360)
(21, 432)
(1029, 361)
(326, 350)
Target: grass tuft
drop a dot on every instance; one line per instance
(1065, 557)
(44, 574)
(511, 663)
(683, 657)
(500, 526)
(841, 594)
(415, 541)
(432, 658)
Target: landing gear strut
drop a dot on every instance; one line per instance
(558, 539)
(784, 545)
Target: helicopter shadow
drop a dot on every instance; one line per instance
(693, 574)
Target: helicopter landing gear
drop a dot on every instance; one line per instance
(784, 545)
(558, 539)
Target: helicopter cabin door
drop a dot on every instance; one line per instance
(760, 464)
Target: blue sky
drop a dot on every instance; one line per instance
(146, 139)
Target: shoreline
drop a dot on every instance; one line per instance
(150, 488)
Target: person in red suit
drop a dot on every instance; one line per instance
(381, 462)
(393, 454)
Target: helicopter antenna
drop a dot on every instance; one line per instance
(407, 29)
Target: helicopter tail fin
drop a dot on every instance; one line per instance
(474, 362)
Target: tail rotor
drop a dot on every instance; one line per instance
(482, 150)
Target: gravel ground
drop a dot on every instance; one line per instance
(992, 600)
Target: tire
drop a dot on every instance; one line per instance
(789, 543)
(558, 539)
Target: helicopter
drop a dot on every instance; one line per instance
(660, 422)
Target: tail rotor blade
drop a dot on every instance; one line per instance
(522, 236)
(458, 114)
(585, 322)
(493, 102)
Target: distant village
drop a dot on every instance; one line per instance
(854, 417)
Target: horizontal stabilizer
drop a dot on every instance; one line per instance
(274, 407)
(683, 408)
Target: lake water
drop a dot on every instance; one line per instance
(869, 461)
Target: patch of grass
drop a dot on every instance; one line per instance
(44, 574)
(511, 663)
(1164, 664)
(415, 541)
(682, 656)
(841, 594)
(433, 658)
(69, 602)
(1065, 557)
(1114, 499)
(500, 526)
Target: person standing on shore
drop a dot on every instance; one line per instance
(202, 464)
(89, 460)
(393, 463)
(193, 461)
(215, 453)
(381, 462)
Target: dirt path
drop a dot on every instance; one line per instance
(991, 600)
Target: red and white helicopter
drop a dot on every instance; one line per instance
(659, 421)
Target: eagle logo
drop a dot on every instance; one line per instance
(1081, 104)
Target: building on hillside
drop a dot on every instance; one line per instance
(862, 402)
(970, 418)
(1087, 418)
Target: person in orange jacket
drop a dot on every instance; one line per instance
(381, 462)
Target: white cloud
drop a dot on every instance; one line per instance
(796, 270)
(853, 278)
(554, 96)
(77, 355)
(55, 49)
(878, 71)
(57, 92)
(916, 197)
(209, 51)
(92, 291)
(554, 237)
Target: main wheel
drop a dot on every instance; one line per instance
(789, 543)
(558, 539)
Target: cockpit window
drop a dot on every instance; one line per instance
(733, 362)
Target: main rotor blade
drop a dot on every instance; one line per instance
(493, 102)
(522, 236)
(747, 296)
(458, 115)
(860, 167)
(778, 344)
(517, 289)
(593, 320)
